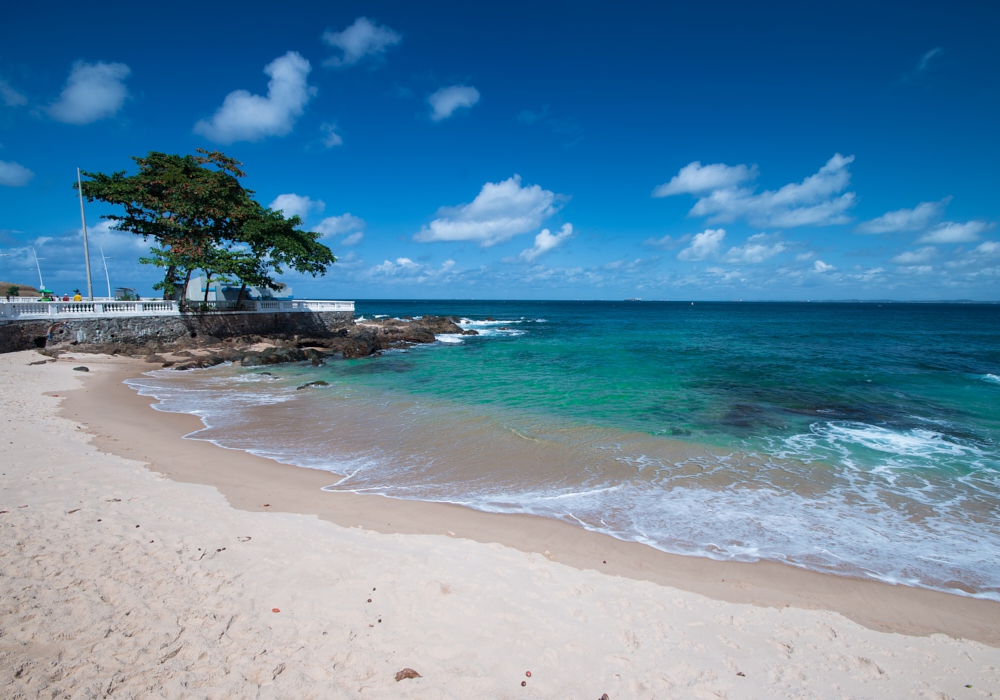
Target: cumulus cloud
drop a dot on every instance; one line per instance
(363, 38)
(330, 136)
(667, 242)
(544, 242)
(445, 101)
(353, 239)
(755, 250)
(246, 117)
(14, 174)
(10, 96)
(706, 244)
(915, 257)
(93, 91)
(336, 225)
(296, 205)
(695, 178)
(499, 212)
(952, 232)
(816, 201)
(821, 267)
(916, 219)
(405, 269)
(990, 248)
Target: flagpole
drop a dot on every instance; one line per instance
(86, 248)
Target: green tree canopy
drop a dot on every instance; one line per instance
(202, 218)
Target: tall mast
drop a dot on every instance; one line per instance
(86, 248)
(106, 276)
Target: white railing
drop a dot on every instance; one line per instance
(63, 310)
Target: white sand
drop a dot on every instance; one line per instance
(93, 606)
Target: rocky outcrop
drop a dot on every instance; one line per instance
(200, 349)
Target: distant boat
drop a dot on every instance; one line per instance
(633, 299)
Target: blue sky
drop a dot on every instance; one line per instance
(719, 150)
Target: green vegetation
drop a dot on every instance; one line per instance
(201, 218)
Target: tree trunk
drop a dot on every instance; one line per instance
(169, 290)
(239, 299)
(208, 284)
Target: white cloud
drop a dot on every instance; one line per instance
(952, 232)
(821, 267)
(10, 96)
(813, 202)
(667, 242)
(335, 225)
(915, 257)
(704, 245)
(246, 117)
(499, 212)
(989, 248)
(445, 101)
(802, 257)
(754, 250)
(330, 136)
(695, 177)
(405, 270)
(544, 242)
(393, 268)
(869, 275)
(296, 205)
(916, 269)
(353, 239)
(363, 38)
(914, 219)
(93, 91)
(925, 60)
(14, 174)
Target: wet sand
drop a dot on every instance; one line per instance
(116, 580)
(124, 424)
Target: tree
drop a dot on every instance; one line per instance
(201, 217)
(275, 242)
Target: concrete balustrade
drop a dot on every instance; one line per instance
(61, 310)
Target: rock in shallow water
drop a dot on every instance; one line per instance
(308, 384)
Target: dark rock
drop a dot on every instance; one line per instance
(470, 332)
(274, 356)
(407, 673)
(418, 334)
(154, 358)
(308, 384)
(169, 363)
(81, 369)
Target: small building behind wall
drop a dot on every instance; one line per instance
(223, 291)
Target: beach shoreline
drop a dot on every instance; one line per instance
(117, 579)
(125, 424)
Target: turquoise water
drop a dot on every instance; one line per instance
(860, 439)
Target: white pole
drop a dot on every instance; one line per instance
(39, 268)
(106, 277)
(86, 248)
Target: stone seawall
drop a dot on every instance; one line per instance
(139, 330)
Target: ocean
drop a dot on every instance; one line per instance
(857, 439)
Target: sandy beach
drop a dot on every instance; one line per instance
(137, 564)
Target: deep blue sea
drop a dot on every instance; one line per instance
(860, 439)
